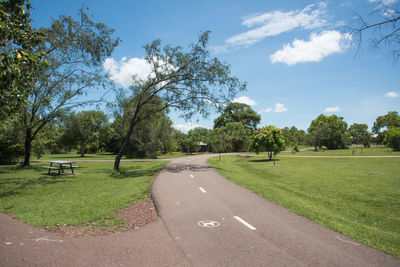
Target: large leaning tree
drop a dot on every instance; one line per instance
(75, 52)
(19, 58)
(188, 80)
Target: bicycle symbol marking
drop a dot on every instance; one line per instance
(208, 223)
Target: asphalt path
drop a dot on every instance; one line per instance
(24, 245)
(217, 223)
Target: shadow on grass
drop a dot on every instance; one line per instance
(263, 160)
(13, 186)
(132, 173)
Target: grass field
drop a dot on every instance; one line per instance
(358, 151)
(34, 197)
(359, 197)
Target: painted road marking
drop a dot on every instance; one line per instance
(208, 223)
(188, 167)
(251, 227)
(178, 203)
(202, 190)
(191, 176)
(46, 238)
(187, 163)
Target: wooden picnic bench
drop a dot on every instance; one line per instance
(62, 164)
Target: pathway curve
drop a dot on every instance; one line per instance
(218, 223)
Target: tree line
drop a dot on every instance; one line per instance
(45, 72)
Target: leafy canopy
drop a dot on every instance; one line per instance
(269, 139)
(238, 112)
(19, 57)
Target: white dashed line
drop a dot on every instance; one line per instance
(191, 176)
(202, 190)
(251, 227)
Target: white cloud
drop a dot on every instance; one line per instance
(121, 72)
(384, 2)
(185, 127)
(245, 100)
(319, 46)
(275, 23)
(332, 109)
(392, 94)
(278, 108)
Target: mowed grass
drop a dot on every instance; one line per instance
(34, 197)
(358, 151)
(359, 197)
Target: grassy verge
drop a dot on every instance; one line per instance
(358, 151)
(36, 198)
(359, 197)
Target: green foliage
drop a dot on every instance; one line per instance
(359, 134)
(152, 133)
(293, 136)
(75, 53)
(83, 130)
(238, 112)
(269, 139)
(19, 58)
(11, 140)
(382, 123)
(194, 137)
(329, 131)
(392, 138)
(233, 137)
(190, 81)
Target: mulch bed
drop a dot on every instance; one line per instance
(135, 217)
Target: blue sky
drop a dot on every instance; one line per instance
(296, 56)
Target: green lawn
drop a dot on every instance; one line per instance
(34, 197)
(358, 151)
(359, 197)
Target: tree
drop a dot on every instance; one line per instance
(269, 139)
(190, 81)
(19, 59)
(385, 122)
(238, 112)
(392, 138)
(384, 28)
(75, 52)
(233, 137)
(84, 128)
(359, 134)
(293, 136)
(149, 136)
(329, 131)
(195, 136)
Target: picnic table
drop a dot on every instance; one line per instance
(61, 165)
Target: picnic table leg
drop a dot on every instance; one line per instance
(72, 169)
(51, 164)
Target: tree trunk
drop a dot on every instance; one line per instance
(124, 145)
(82, 150)
(28, 145)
